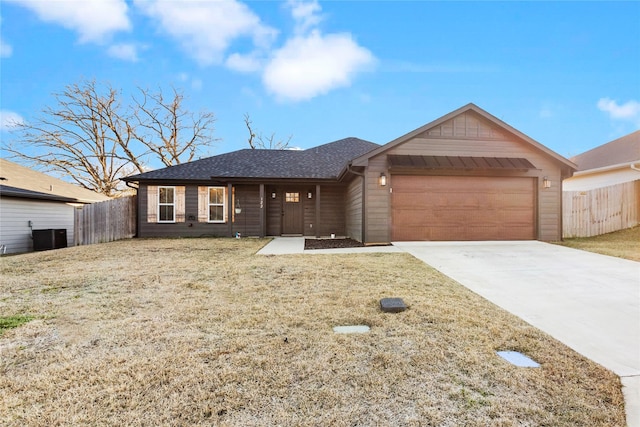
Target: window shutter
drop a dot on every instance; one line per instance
(203, 204)
(152, 203)
(180, 204)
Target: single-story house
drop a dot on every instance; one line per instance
(465, 176)
(31, 200)
(615, 162)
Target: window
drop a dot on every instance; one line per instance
(292, 197)
(217, 204)
(166, 204)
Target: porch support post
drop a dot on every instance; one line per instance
(318, 216)
(262, 212)
(230, 209)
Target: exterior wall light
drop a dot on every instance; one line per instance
(383, 179)
(273, 195)
(546, 182)
(309, 195)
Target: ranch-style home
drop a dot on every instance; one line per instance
(464, 176)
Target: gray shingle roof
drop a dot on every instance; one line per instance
(19, 176)
(322, 162)
(8, 191)
(622, 150)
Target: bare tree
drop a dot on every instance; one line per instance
(155, 118)
(90, 137)
(259, 141)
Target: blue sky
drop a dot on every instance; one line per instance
(565, 73)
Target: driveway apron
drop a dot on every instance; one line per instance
(588, 301)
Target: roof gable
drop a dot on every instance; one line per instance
(466, 125)
(469, 121)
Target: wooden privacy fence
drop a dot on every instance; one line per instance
(601, 210)
(105, 221)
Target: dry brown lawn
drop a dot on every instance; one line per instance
(622, 244)
(205, 332)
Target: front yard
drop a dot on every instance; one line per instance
(622, 244)
(205, 332)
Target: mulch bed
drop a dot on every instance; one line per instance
(331, 243)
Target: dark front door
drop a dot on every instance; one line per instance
(292, 221)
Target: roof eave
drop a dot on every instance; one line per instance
(625, 165)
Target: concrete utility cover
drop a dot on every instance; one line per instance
(518, 359)
(354, 329)
(392, 305)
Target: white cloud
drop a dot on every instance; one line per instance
(194, 82)
(94, 20)
(307, 66)
(206, 29)
(545, 113)
(629, 111)
(9, 119)
(306, 14)
(5, 49)
(124, 51)
(245, 63)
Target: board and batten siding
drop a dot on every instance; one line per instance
(466, 135)
(15, 214)
(353, 209)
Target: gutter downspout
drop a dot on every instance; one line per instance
(137, 206)
(361, 174)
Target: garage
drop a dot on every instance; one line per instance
(462, 208)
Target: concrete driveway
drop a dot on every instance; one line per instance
(588, 301)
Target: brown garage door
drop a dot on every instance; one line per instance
(462, 208)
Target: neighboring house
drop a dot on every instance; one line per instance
(31, 200)
(464, 176)
(613, 163)
(604, 194)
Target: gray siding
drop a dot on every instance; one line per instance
(16, 213)
(247, 222)
(332, 211)
(353, 209)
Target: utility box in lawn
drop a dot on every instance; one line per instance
(44, 240)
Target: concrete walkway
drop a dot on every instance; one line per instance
(589, 302)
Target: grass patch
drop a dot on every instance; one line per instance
(621, 244)
(10, 322)
(205, 332)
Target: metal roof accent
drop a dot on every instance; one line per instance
(362, 160)
(457, 162)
